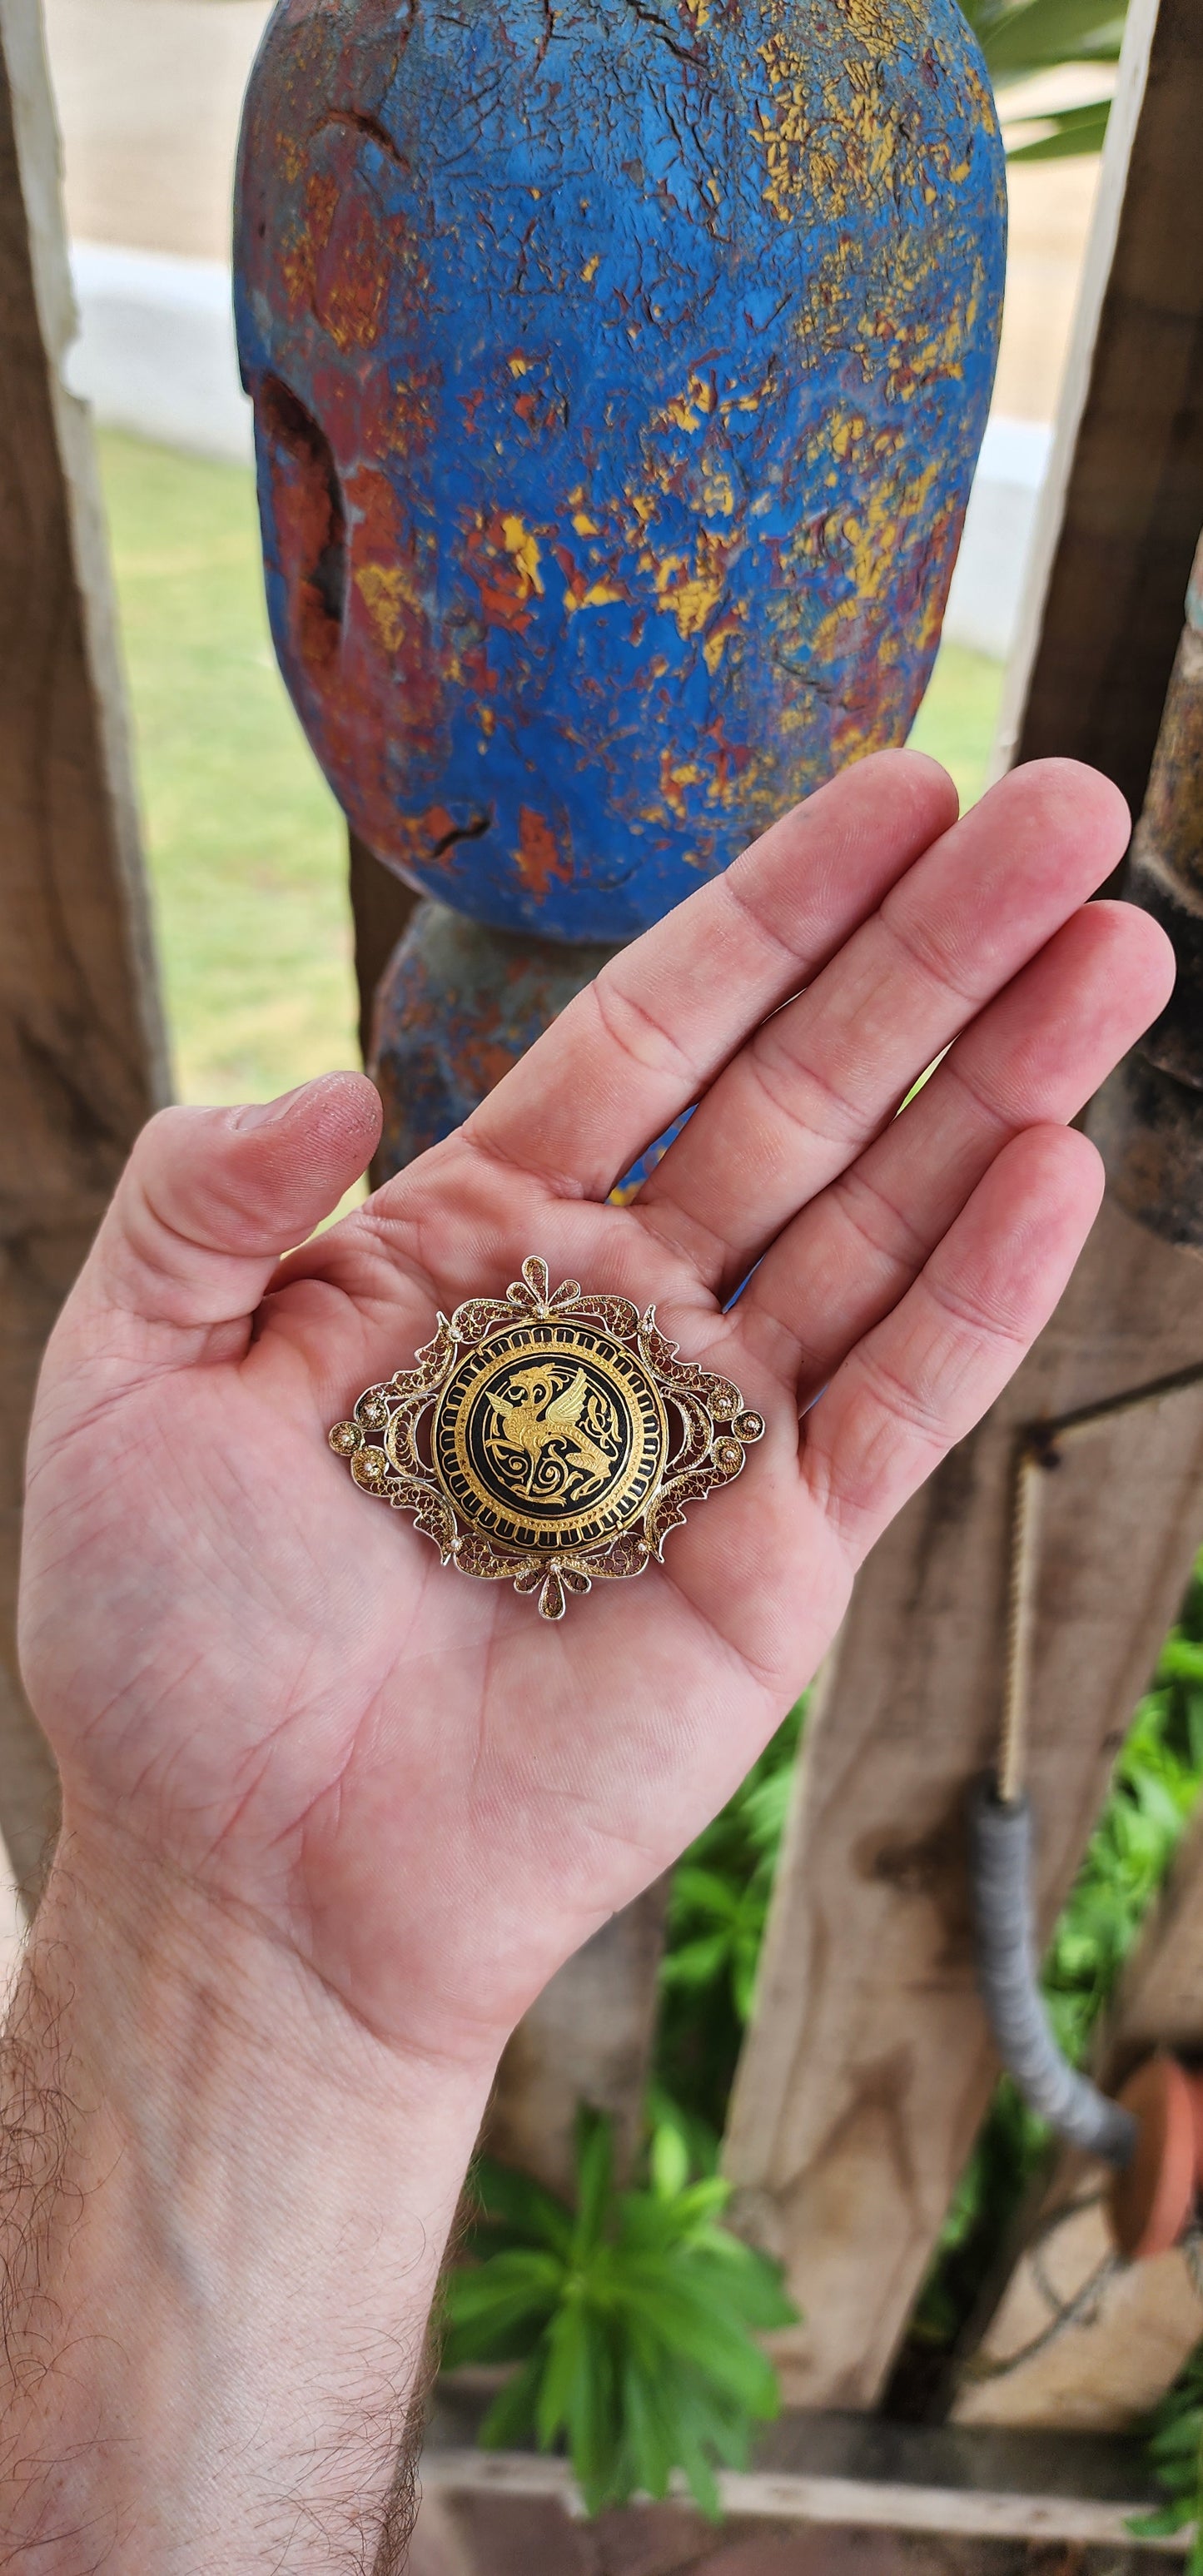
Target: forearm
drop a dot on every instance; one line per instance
(223, 2206)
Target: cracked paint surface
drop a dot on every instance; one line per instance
(455, 1008)
(619, 375)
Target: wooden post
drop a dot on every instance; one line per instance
(587, 2039)
(82, 1057)
(1123, 502)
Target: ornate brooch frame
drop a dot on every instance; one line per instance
(553, 1461)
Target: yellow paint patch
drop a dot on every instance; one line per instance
(718, 495)
(584, 525)
(520, 366)
(388, 598)
(591, 268)
(674, 776)
(690, 594)
(600, 594)
(833, 147)
(846, 431)
(524, 548)
(714, 645)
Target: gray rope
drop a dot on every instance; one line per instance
(1008, 1981)
(1000, 1821)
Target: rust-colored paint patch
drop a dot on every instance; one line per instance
(539, 855)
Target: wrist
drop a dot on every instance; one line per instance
(151, 1948)
(227, 2230)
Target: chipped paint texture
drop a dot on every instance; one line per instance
(457, 1006)
(619, 374)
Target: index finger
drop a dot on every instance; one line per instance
(648, 1035)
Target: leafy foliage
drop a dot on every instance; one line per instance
(1175, 2455)
(1022, 37)
(717, 1912)
(632, 2316)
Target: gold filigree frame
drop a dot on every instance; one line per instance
(380, 1441)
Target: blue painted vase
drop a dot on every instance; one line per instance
(619, 373)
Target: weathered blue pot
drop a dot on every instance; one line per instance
(619, 373)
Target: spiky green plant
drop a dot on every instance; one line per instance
(1022, 37)
(717, 1911)
(633, 2317)
(1175, 2456)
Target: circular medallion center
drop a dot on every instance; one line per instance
(549, 1436)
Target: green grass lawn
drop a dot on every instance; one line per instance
(246, 845)
(958, 716)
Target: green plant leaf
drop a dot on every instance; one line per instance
(1159, 2525)
(564, 2355)
(495, 2310)
(690, 2324)
(703, 1890)
(510, 2422)
(637, 2346)
(594, 2176)
(696, 1963)
(515, 2202)
(1070, 130)
(651, 2434)
(1036, 35)
(668, 2160)
(1176, 2446)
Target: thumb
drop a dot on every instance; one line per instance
(211, 1198)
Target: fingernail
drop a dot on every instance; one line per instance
(263, 1113)
(266, 1113)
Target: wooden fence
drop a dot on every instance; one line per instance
(868, 2067)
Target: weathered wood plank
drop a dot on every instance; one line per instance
(1124, 499)
(829, 2503)
(1104, 2373)
(869, 2066)
(1160, 1998)
(82, 1058)
(587, 2039)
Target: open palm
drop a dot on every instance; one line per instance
(253, 1674)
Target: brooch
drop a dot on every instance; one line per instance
(565, 1441)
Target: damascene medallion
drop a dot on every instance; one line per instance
(567, 1437)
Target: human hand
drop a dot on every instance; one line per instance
(261, 1684)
